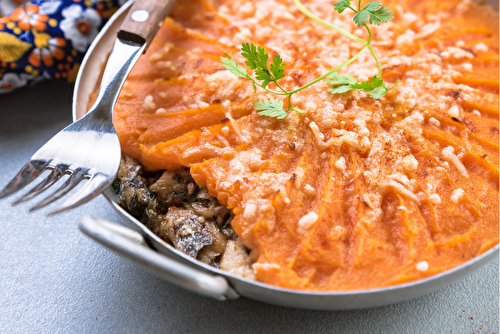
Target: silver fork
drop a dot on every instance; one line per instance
(89, 148)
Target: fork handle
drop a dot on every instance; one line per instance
(144, 19)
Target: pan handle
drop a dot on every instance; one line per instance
(131, 245)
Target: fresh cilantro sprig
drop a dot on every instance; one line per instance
(271, 108)
(376, 88)
(375, 12)
(257, 60)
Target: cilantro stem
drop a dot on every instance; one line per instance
(331, 72)
(257, 59)
(289, 93)
(277, 84)
(343, 32)
(373, 52)
(326, 24)
(270, 90)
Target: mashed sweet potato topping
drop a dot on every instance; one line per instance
(356, 193)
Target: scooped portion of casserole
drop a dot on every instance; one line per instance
(178, 211)
(354, 194)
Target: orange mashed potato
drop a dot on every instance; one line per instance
(355, 193)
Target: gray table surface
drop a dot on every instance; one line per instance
(53, 279)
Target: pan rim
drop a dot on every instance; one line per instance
(108, 194)
(393, 288)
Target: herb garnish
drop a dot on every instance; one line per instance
(257, 60)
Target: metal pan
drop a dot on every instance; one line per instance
(148, 250)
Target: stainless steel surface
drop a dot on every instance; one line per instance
(259, 291)
(131, 245)
(53, 279)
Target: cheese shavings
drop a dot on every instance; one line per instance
(227, 111)
(451, 157)
(306, 222)
(422, 266)
(457, 195)
(398, 187)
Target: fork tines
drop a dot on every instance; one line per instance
(32, 170)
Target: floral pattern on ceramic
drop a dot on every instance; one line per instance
(47, 39)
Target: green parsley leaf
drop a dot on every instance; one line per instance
(375, 88)
(230, 64)
(271, 108)
(278, 68)
(378, 92)
(340, 79)
(257, 60)
(256, 57)
(342, 5)
(263, 75)
(367, 85)
(345, 82)
(340, 89)
(375, 12)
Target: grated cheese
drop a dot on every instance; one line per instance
(149, 103)
(481, 47)
(422, 266)
(467, 67)
(403, 191)
(401, 178)
(457, 195)
(250, 211)
(227, 111)
(434, 122)
(207, 150)
(265, 266)
(451, 157)
(299, 176)
(340, 163)
(310, 190)
(306, 222)
(427, 30)
(454, 112)
(409, 163)
(319, 136)
(403, 208)
(434, 199)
